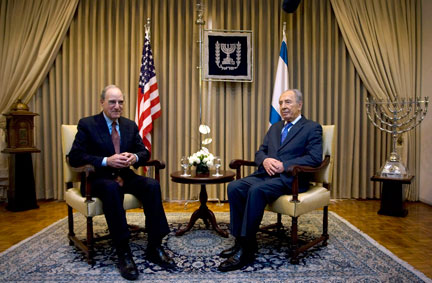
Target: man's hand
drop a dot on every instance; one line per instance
(121, 160)
(131, 158)
(273, 166)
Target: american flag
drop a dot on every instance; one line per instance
(148, 106)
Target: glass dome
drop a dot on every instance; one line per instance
(394, 167)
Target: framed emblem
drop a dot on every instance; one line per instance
(227, 56)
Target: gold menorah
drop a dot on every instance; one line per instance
(396, 117)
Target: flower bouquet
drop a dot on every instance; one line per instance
(202, 159)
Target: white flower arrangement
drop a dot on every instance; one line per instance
(201, 158)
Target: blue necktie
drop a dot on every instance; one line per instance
(285, 131)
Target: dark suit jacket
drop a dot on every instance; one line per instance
(302, 146)
(93, 142)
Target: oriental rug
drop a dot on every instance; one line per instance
(350, 256)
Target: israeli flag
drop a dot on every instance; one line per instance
(281, 82)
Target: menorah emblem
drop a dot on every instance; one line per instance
(396, 117)
(228, 49)
(228, 63)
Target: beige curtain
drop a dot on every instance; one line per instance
(104, 46)
(31, 33)
(383, 40)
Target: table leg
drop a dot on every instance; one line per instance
(205, 214)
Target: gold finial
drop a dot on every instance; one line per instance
(200, 14)
(147, 28)
(20, 106)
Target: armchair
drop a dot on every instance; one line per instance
(87, 205)
(297, 204)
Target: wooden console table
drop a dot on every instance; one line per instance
(203, 211)
(392, 195)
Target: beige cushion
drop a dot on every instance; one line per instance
(68, 133)
(314, 198)
(328, 149)
(75, 200)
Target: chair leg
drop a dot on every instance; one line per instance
(325, 226)
(89, 240)
(294, 241)
(296, 249)
(71, 225)
(87, 248)
(278, 226)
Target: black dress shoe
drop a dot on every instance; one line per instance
(238, 260)
(127, 266)
(250, 244)
(230, 251)
(158, 256)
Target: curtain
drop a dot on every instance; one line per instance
(383, 40)
(103, 46)
(31, 33)
(28, 47)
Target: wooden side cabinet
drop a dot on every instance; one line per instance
(20, 145)
(392, 195)
(22, 190)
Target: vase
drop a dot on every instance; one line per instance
(202, 170)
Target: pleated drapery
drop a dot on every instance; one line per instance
(104, 44)
(31, 33)
(390, 72)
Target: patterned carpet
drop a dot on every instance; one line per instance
(350, 256)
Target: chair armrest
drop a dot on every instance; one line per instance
(87, 169)
(296, 170)
(238, 163)
(158, 165)
(84, 171)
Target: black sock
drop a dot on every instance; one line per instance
(123, 247)
(154, 243)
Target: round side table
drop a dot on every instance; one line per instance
(203, 211)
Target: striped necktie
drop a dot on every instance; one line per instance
(285, 131)
(115, 137)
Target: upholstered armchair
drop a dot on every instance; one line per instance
(87, 205)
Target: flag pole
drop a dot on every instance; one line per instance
(147, 33)
(147, 29)
(281, 79)
(284, 29)
(200, 22)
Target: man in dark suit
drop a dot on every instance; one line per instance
(112, 144)
(292, 141)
